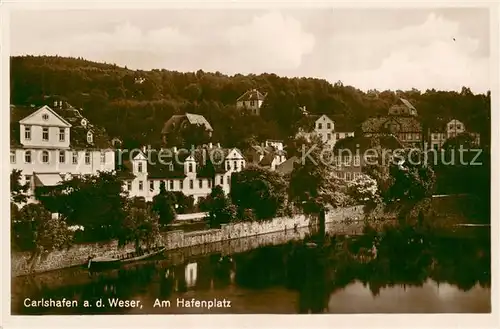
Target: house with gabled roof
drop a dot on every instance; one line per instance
(269, 154)
(401, 122)
(330, 131)
(50, 144)
(251, 100)
(181, 122)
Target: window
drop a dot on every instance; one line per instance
(62, 156)
(221, 180)
(320, 126)
(338, 161)
(129, 185)
(409, 136)
(45, 156)
(347, 161)
(328, 126)
(27, 132)
(45, 117)
(27, 180)
(141, 185)
(459, 126)
(27, 156)
(200, 183)
(228, 180)
(12, 156)
(252, 103)
(62, 135)
(403, 137)
(228, 165)
(329, 136)
(103, 157)
(209, 183)
(181, 184)
(45, 133)
(348, 176)
(87, 157)
(190, 167)
(90, 138)
(171, 184)
(139, 167)
(235, 164)
(356, 160)
(191, 184)
(75, 157)
(338, 136)
(151, 185)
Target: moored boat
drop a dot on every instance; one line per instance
(99, 263)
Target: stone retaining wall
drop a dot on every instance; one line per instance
(78, 254)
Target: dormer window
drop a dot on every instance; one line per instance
(190, 167)
(84, 122)
(45, 117)
(139, 167)
(171, 167)
(90, 138)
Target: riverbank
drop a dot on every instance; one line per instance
(78, 254)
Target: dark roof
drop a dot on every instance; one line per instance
(363, 143)
(78, 132)
(251, 95)
(287, 166)
(376, 124)
(161, 168)
(175, 122)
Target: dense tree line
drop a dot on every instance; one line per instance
(133, 105)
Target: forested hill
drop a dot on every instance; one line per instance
(133, 105)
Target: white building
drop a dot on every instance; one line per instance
(49, 145)
(269, 154)
(192, 173)
(439, 135)
(251, 100)
(327, 130)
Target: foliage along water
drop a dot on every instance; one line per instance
(402, 270)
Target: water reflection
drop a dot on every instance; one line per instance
(396, 261)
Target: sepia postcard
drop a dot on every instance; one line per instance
(259, 161)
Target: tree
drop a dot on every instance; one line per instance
(96, 202)
(259, 189)
(17, 190)
(219, 207)
(140, 225)
(38, 231)
(163, 205)
(464, 140)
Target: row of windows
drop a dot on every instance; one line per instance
(140, 166)
(456, 126)
(169, 184)
(347, 161)
(328, 125)
(347, 175)
(235, 165)
(337, 135)
(410, 136)
(28, 158)
(46, 136)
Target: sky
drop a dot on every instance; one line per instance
(378, 49)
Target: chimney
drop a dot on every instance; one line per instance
(210, 145)
(143, 149)
(60, 104)
(218, 145)
(174, 149)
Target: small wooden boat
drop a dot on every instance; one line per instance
(140, 255)
(99, 263)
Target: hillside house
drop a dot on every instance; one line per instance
(268, 155)
(251, 100)
(181, 123)
(401, 122)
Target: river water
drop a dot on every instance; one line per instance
(399, 271)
